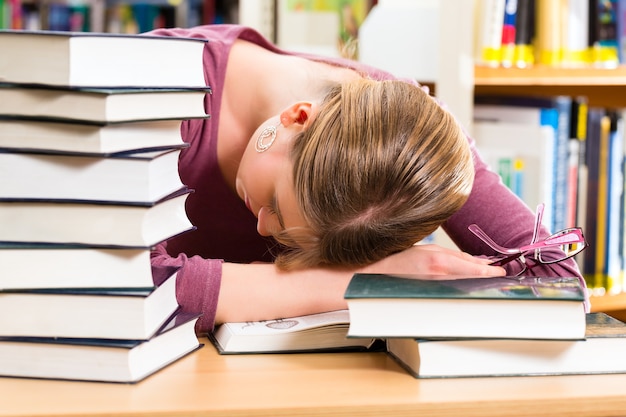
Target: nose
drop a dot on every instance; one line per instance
(263, 222)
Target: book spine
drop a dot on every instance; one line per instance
(563, 105)
(524, 32)
(578, 123)
(622, 209)
(575, 51)
(550, 118)
(3, 15)
(592, 157)
(603, 33)
(491, 19)
(572, 181)
(549, 32)
(615, 190)
(621, 31)
(507, 52)
(602, 204)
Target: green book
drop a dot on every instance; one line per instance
(536, 307)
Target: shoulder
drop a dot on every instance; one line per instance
(225, 33)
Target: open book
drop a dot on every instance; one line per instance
(324, 331)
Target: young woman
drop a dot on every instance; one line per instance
(310, 169)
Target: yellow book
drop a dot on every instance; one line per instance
(549, 42)
(602, 211)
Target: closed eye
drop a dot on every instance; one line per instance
(273, 209)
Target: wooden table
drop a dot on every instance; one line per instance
(339, 384)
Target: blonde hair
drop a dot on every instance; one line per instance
(380, 167)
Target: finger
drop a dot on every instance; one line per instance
(460, 254)
(474, 267)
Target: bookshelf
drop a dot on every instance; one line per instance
(603, 87)
(120, 16)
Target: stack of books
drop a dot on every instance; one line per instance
(445, 327)
(89, 145)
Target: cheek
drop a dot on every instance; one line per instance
(257, 175)
(250, 170)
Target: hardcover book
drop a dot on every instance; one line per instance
(89, 59)
(98, 359)
(137, 178)
(384, 306)
(122, 313)
(45, 136)
(101, 105)
(31, 266)
(599, 353)
(89, 224)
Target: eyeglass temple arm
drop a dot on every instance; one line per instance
(538, 220)
(474, 228)
(574, 235)
(506, 259)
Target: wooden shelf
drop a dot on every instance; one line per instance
(608, 302)
(613, 305)
(603, 87)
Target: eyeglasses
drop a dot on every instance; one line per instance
(555, 248)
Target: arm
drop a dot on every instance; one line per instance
(260, 291)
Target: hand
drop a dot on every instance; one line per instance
(435, 260)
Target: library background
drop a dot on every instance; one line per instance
(559, 66)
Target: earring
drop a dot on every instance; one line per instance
(266, 138)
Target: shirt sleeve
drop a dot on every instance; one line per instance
(197, 284)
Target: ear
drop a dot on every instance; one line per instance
(300, 113)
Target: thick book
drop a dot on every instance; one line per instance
(90, 224)
(46, 136)
(98, 359)
(124, 313)
(90, 59)
(600, 353)
(576, 36)
(524, 54)
(101, 105)
(549, 32)
(490, 24)
(310, 333)
(383, 305)
(136, 178)
(67, 266)
(596, 163)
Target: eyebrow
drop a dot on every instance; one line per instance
(277, 211)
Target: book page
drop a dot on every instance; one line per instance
(290, 325)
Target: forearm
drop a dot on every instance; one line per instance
(261, 291)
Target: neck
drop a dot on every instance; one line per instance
(260, 84)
